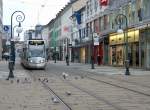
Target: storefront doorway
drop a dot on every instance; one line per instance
(117, 55)
(133, 54)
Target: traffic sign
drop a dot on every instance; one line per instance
(6, 28)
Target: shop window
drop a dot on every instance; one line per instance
(114, 62)
(96, 28)
(105, 21)
(146, 8)
(119, 55)
(100, 24)
(111, 23)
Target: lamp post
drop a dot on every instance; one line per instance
(120, 19)
(20, 16)
(92, 55)
(89, 31)
(67, 56)
(18, 30)
(55, 51)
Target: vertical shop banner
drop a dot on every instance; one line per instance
(96, 39)
(103, 2)
(77, 14)
(66, 29)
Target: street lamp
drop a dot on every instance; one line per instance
(20, 16)
(120, 19)
(92, 55)
(67, 56)
(18, 30)
(89, 31)
(55, 52)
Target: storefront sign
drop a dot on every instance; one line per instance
(104, 2)
(96, 41)
(6, 28)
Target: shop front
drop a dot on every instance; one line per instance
(98, 54)
(82, 55)
(118, 47)
(145, 48)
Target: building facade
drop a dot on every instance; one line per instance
(45, 32)
(97, 19)
(1, 27)
(112, 43)
(79, 35)
(66, 29)
(51, 38)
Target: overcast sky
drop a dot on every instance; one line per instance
(36, 11)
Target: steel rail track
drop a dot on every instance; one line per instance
(115, 85)
(52, 92)
(92, 94)
(130, 82)
(116, 107)
(57, 96)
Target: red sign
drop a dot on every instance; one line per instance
(66, 29)
(104, 2)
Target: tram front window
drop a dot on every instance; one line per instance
(36, 53)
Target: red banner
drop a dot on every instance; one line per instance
(66, 29)
(104, 2)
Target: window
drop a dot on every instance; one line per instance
(105, 21)
(99, 24)
(102, 23)
(146, 8)
(88, 9)
(95, 5)
(96, 27)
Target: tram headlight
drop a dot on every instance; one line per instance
(42, 61)
(31, 61)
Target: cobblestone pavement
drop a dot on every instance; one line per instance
(22, 93)
(103, 69)
(111, 90)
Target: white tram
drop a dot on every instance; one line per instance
(33, 54)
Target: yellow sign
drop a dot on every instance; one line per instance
(133, 36)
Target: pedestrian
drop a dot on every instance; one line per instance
(98, 59)
(67, 59)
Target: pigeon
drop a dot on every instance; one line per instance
(17, 80)
(25, 79)
(65, 75)
(55, 100)
(45, 80)
(68, 93)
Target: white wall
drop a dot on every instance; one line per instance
(45, 32)
(45, 35)
(66, 27)
(66, 23)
